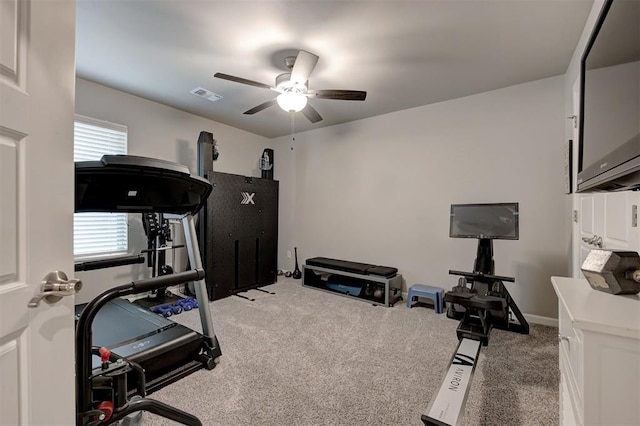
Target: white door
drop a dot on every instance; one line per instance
(37, 88)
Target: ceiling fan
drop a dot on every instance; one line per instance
(294, 89)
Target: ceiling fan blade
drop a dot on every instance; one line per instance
(344, 95)
(260, 107)
(303, 66)
(241, 80)
(311, 114)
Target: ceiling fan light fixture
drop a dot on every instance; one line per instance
(292, 102)
(293, 87)
(283, 82)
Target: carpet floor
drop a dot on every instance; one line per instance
(309, 357)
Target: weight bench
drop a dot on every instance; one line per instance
(380, 285)
(353, 267)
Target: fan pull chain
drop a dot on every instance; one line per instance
(293, 127)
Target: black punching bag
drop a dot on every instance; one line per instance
(207, 153)
(266, 164)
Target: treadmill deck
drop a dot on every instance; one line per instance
(142, 336)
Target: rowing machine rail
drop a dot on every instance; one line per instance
(447, 408)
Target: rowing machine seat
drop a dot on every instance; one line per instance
(474, 300)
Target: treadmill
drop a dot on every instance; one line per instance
(123, 349)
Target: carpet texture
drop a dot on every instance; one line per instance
(308, 357)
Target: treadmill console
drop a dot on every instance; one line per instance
(131, 184)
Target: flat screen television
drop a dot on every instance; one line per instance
(484, 221)
(609, 154)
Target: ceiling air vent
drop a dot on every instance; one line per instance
(207, 94)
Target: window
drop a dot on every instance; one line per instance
(98, 234)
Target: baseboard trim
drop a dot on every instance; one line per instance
(537, 319)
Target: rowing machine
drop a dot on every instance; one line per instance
(481, 302)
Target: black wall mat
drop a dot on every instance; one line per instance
(241, 234)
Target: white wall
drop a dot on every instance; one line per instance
(379, 190)
(159, 131)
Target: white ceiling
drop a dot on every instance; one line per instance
(403, 53)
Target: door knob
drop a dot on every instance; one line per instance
(55, 286)
(562, 338)
(598, 241)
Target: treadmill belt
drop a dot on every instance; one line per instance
(120, 322)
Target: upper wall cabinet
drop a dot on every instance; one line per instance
(609, 221)
(621, 220)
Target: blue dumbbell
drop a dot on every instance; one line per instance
(187, 303)
(164, 310)
(167, 309)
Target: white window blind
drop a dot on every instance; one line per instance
(97, 234)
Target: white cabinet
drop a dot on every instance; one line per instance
(599, 345)
(606, 220)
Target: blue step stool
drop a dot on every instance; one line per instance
(434, 293)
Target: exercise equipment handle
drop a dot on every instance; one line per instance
(167, 280)
(482, 276)
(108, 263)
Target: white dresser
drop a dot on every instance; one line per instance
(599, 335)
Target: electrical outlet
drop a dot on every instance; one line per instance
(288, 254)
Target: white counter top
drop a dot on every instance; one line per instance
(598, 311)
